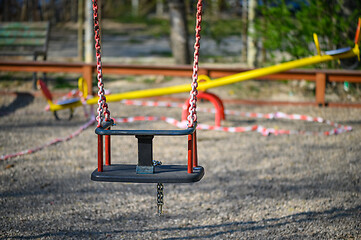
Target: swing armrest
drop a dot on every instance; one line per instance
(102, 131)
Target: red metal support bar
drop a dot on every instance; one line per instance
(220, 102)
(190, 153)
(195, 153)
(100, 153)
(107, 150)
(215, 100)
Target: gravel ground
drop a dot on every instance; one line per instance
(255, 187)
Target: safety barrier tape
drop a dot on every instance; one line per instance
(256, 128)
(151, 103)
(338, 128)
(54, 141)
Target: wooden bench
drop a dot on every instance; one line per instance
(25, 39)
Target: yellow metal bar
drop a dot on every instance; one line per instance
(217, 82)
(275, 69)
(317, 44)
(83, 87)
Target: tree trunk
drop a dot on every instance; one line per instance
(24, 9)
(89, 35)
(80, 30)
(244, 30)
(135, 8)
(264, 27)
(251, 43)
(6, 12)
(179, 32)
(42, 10)
(215, 9)
(34, 10)
(52, 12)
(73, 8)
(160, 8)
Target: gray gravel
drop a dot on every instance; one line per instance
(255, 187)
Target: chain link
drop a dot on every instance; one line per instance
(192, 117)
(157, 163)
(160, 196)
(102, 102)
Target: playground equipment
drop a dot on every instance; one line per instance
(147, 170)
(72, 97)
(243, 76)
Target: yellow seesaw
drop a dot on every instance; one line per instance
(204, 85)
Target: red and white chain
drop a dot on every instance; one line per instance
(192, 117)
(102, 102)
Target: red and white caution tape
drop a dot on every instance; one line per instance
(54, 141)
(337, 128)
(151, 103)
(254, 128)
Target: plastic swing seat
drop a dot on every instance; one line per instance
(162, 174)
(145, 171)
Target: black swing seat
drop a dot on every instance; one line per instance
(162, 174)
(145, 172)
(103, 131)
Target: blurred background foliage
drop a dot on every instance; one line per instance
(283, 27)
(287, 26)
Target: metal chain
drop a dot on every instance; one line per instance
(192, 117)
(102, 102)
(157, 163)
(160, 194)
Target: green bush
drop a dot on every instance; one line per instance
(281, 27)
